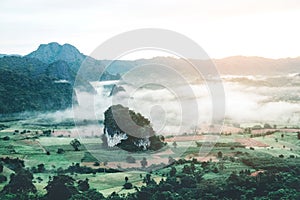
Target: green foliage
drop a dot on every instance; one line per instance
(220, 154)
(75, 144)
(60, 188)
(83, 185)
(20, 182)
(91, 194)
(144, 162)
(173, 172)
(21, 91)
(127, 186)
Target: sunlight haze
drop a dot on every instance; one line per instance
(222, 28)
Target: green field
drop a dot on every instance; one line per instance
(32, 148)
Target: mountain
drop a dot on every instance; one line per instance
(243, 65)
(44, 79)
(69, 56)
(52, 52)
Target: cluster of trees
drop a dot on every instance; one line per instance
(186, 183)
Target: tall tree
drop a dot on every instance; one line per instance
(75, 144)
(144, 162)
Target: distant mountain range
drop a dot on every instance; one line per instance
(43, 80)
(236, 65)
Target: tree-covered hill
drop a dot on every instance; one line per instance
(44, 79)
(20, 92)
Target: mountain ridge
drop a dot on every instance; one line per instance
(44, 79)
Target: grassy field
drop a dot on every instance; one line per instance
(32, 148)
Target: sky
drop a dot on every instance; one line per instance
(267, 28)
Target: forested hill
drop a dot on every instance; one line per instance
(44, 79)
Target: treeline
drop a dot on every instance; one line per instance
(179, 183)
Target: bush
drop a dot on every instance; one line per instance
(127, 186)
(60, 151)
(6, 138)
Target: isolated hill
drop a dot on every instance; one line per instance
(129, 130)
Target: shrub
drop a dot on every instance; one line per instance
(127, 186)
(6, 138)
(60, 151)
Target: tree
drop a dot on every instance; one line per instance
(6, 138)
(173, 172)
(60, 151)
(127, 185)
(148, 180)
(174, 144)
(220, 154)
(186, 169)
(20, 182)
(47, 133)
(40, 168)
(91, 194)
(83, 185)
(298, 134)
(61, 187)
(144, 162)
(75, 144)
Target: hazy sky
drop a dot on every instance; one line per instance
(268, 28)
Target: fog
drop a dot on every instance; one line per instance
(246, 100)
